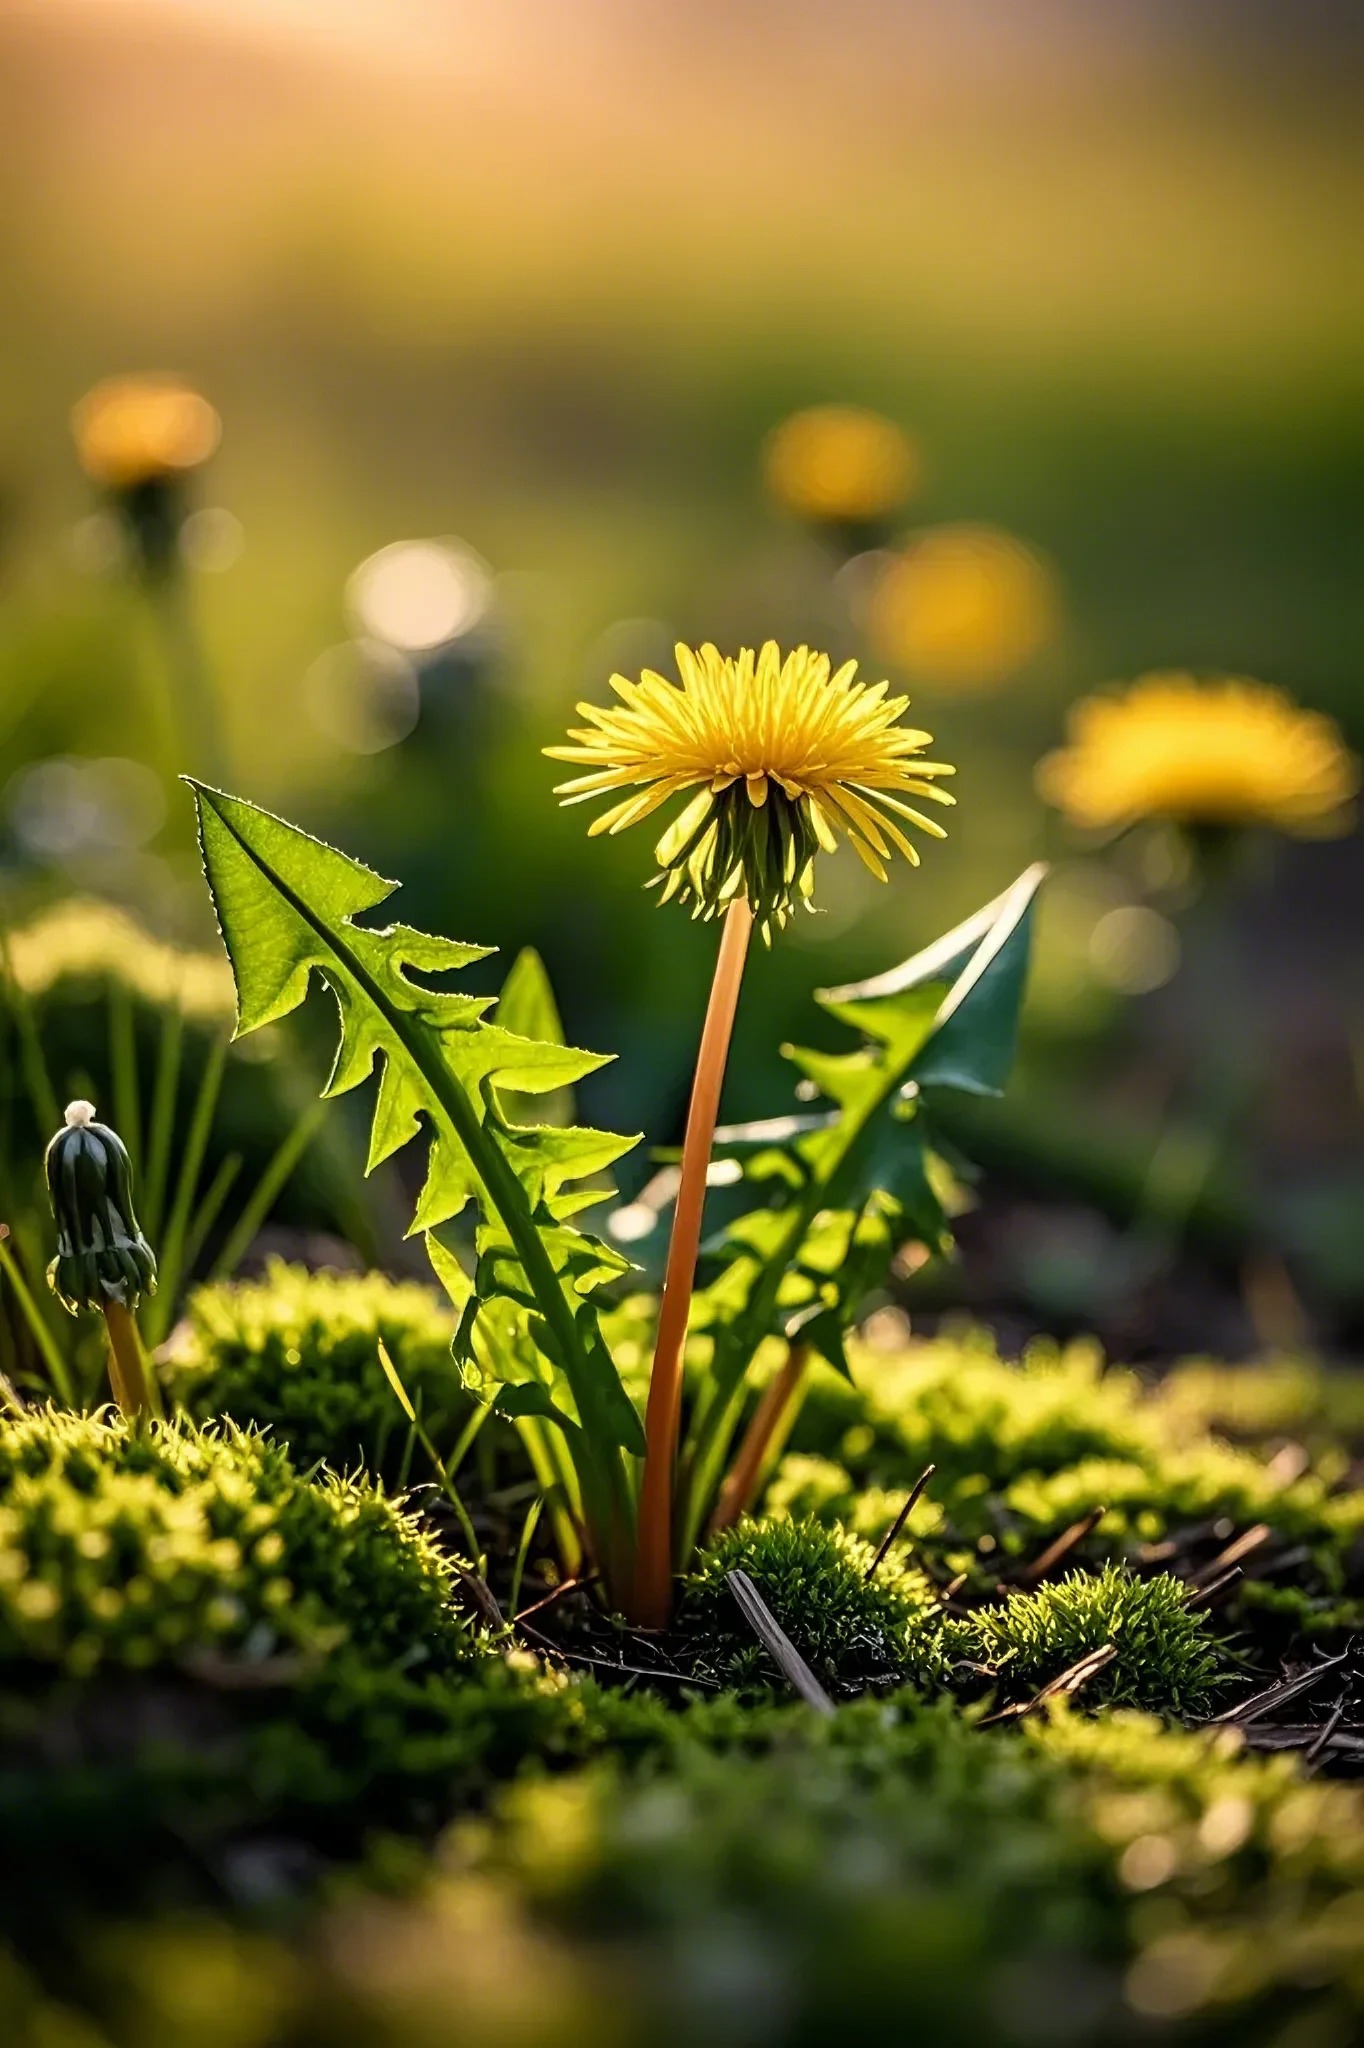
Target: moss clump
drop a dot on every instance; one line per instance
(852, 1630)
(789, 1879)
(298, 1352)
(1268, 1399)
(133, 1548)
(198, 1644)
(1024, 1449)
(1166, 1657)
(1074, 1881)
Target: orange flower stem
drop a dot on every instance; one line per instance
(127, 1369)
(654, 1543)
(741, 1481)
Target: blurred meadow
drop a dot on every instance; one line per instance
(535, 286)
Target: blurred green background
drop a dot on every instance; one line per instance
(541, 279)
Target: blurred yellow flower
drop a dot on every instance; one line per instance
(840, 463)
(138, 430)
(83, 939)
(964, 605)
(1224, 752)
(787, 754)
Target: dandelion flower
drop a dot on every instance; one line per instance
(133, 431)
(1228, 752)
(839, 463)
(784, 756)
(964, 606)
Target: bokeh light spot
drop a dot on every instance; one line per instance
(363, 696)
(416, 595)
(212, 539)
(1133, 949)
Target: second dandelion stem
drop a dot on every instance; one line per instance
(654, 1552)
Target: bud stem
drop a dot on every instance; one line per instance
(127, 1370)
(654, 1552)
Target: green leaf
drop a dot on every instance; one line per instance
(529, 1397)
(973, 978)
(526, 1004)
(287, 907)
(449, 1272)
(527, 1007)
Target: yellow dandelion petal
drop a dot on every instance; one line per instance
(824, 826)
(866, 856)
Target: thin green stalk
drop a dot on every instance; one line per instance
(208, 1211)
(553, 1470)
(463, 1442)
(528, 1528)
(162, 1127)
(123, 1068)
(33, 1064)
(443, 1471)
(281, 1164)
(173, 1265)
(42, 1336)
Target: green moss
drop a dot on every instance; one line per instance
(1166, 1657)
(790, 1879)
(298, 1352)
(1261, 1401)
(817, 1487)
(1073, 1880)
(1024, 1449)
(851, 1629)
(197, 1643)
(131, 1547)
(1302, 1613)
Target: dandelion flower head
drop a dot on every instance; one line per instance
(131, 431)
(783, 755)
(1228, 752)
(839, 463)
(965, 607)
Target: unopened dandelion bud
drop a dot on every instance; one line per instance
(102, 1256)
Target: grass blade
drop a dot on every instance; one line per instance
(162, 1120)
(528, 1528)
(123, 1069)
(32, 1062)
(448, 1487)
(187, 1181)
(285, 1158)
(33, 1316)
(207, 1213)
